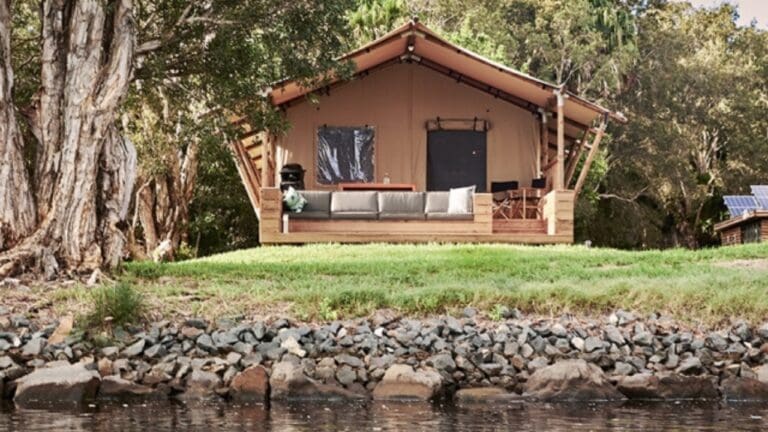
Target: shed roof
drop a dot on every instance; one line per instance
(416, 42)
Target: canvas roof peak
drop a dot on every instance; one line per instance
(416, 43)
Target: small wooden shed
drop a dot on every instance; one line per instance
(425, 115)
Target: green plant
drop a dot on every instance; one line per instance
(117, 304)
(497, 313)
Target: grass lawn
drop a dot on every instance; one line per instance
(339, 281)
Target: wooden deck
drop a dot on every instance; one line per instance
(556, 226)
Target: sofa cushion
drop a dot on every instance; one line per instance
(450, 216)
(401, 205)
(363, 201)
(436, 202)
(460, 200)
(317, 201)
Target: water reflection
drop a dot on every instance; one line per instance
(388, 417)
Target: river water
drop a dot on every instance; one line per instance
(374, 416)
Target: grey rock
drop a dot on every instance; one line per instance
(570, 380)
(614, 335)
(592, 343)
(135, 349)
(643, 338)
(155, 351)
(349, 360)
(690, 366)
(716, 342)
(622, 368)
(62, 385)
(578, 343)
(402, 382)
(198, 323)
(34, 347)
(205, 342)
(346, 375)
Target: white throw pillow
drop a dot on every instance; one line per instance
(460, 200)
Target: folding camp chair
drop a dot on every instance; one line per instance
(502, 204)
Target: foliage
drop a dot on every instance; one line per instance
(119, 304)
(335, 281)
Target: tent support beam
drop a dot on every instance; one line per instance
(574, 159)
(559, 183)
(590, 157)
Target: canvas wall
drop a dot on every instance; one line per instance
(397, 101)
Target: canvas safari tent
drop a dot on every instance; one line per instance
(379, 151)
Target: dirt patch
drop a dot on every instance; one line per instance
(748, 264)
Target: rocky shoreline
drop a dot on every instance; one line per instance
(514, 359)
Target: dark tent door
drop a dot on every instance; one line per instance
(456, 158)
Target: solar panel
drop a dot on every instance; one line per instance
(739, 204)
(761, 196)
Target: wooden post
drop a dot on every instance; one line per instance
(559, 183)
(574, 159)
(590, 156)
(544, 150)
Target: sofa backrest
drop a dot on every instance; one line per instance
(354, 202)
(401, 204)
(436, 202)
(317, 201)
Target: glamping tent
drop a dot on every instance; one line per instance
(426, 141)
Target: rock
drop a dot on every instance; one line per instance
(716, 342)
(250, 385)
(744, 389)
(614, 335)
(197, 323)
(570, 380)
(690, 366)
(34, 347)
(484, 395)
(155, 351)
(135, 350)
(349, 360)
(201, 385)
(401, 382)
(345, 375)
(592, 343)
(667, 387)
(62, 385)
(622, 368)
(205, 343)
(442, 362)
(292, 346)
(578, 343)
(469, 312)
(761, 372)
(114, 387)
(288, 382)
(558, 330)
(643, 338)
(62, 331)
(190, 332)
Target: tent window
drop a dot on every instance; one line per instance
(344, 154)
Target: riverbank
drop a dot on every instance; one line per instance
(472, 358)
(327, 282)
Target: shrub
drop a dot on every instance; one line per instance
(120, 304)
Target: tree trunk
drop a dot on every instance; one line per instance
(162, 204)
(17, 210)
(85, 169)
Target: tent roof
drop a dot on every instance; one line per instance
(415, 42)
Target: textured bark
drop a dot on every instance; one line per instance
(162, 204)
(85, 169)
(17, 211)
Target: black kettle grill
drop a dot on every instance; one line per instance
(292, 175)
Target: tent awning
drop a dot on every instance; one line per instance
(415, 42)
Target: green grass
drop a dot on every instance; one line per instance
(336, 281)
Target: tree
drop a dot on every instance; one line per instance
(64, 207)
(696, 130)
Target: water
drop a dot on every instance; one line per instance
(388, 417)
